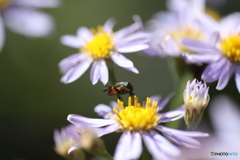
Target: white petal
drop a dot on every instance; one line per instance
(103, 110)
(109, 24)
(225, 76)
(114, 104)
(208, 25)
(70, 61)
(230, 22)
(38, 3)
(237, 78)
(179, 132)
(185, 141)
(123, 147)
(57, 137)
(170, 46)
(163, 120)
(103, 72)
(182, 138)
(71, 41)
(215, 38)
(137, 38)
(156, 98)
(213, 71)
(171, 114)
(2, 33)
(198, 6)
(176, 5)
(121, 60)
(132, 69)
(228, 128)
(129, 146)
(163, 102)
(200, 58)
(134, 48)
(77, 71)
(94, 73)
(197, 46)
(136, 146)
(126, 31)
(106, 130)
(166, 146)
(158, 146)
(93, 122)
(162, 20)
(84, 34)
(76, 146)
(29, 22)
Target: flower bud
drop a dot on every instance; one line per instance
(87, 140)
(64, 141)
(196, 99)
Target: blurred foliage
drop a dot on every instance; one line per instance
(33, 101)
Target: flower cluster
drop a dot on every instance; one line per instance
(187, 33)
(23, 17)
(201, 44)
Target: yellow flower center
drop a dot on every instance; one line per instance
(231, 47)
(135, 117)
(186, 32)
(4, 3)
(101, 45)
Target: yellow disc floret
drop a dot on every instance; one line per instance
(136, 117)
(231, 47)
(186, 31)
(4, 3)
(101, 45)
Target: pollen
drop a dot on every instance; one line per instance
(101, 46)
(136, 117)
(231, 47)
(186, 31)
(4, 3)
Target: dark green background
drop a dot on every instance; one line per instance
(33, 102)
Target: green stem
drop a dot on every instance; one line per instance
(112, 76)
(181, 73)
(105, 155)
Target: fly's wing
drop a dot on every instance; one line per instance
(107, 88)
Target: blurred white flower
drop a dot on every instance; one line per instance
(221, 52)
(183, 19)
(64, 140)
(225, 117)
(23, 17)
